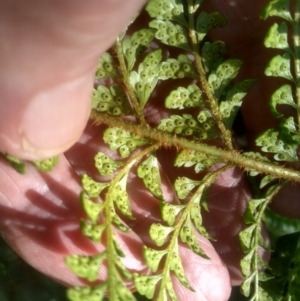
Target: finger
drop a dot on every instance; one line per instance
(227, 200)
(209, 278)
(40, 216)
(49, 54)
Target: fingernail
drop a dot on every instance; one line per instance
(54, 119)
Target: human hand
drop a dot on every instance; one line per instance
(48, 57)
(40, 213)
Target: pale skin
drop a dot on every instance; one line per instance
(48, 55)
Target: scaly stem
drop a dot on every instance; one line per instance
(126, 75)
(296, 38)
(165, 139)
(211, 100)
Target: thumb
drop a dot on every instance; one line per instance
(48, 58)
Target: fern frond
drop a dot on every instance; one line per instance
(252, 265)
(116, 199)
(284, 142)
